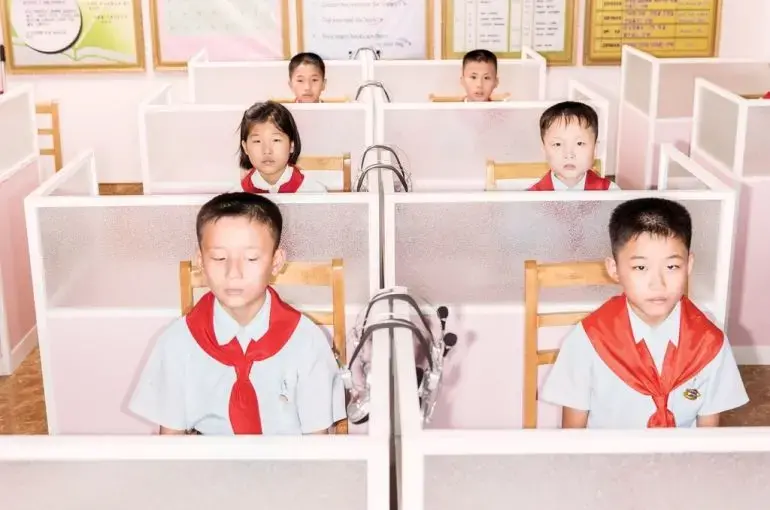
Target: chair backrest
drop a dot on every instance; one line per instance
(314, 274)
(459, 99)
(501, 171)
(329, 163)
(553, 275)
(51, 108)
(286, 100)
(761, 95)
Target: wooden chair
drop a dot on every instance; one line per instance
(550, 275)
(459, 99)
(314, 274)
(501, 171)
(286, 100)
(328, 163)
(51, 108)
(755, 96)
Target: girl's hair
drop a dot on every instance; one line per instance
(311, 59)
(276, 114)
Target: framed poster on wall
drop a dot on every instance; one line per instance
(59, 36)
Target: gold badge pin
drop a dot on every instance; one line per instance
(691, 394)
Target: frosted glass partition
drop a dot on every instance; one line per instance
(446, 146)
(415, 80)
(739, 156)
(18, 126)
(656, 105)
(175, 473)
(202, 154)
(239, 83)
(110, 263)
(466, 251)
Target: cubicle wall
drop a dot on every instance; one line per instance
(730, 137)
(413, 81)
(19, 175)
(467, 251)
(175, 473)
(105, 274)
(191, 148)
(445, 146)
(244, 83)
(656, 105)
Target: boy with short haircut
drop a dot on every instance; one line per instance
(242, 361)
(649, 357)
(569, 131)
(479, 76)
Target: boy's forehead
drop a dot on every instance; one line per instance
(479, 67)
(654, 245)
(234, 228)
(566, 126)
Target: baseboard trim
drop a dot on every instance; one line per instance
(752, 355)
(23, 348)
(121, 188)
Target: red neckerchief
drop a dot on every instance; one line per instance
(290, 186)
(594, 182)
(610, 333)
(244, 405)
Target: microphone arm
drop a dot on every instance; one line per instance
(385, 166)
(372, 83)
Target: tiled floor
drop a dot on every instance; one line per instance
(22, 408)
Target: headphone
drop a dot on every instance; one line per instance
(400, 172)
(373, 83)
(375, 52)
(427, 380)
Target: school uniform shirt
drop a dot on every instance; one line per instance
(558, 185)
(308, 184)
(299, 388)
(581, 380)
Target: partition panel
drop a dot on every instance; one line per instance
(18, 126)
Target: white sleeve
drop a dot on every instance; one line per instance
(724, 390)
(320, 393)
(159, 396)
(614, 186)
(569, 382)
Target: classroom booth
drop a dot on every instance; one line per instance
(19, 174)
(237, 83)
(107, 281)
(419, 81)
(730, 138)
(182, 472)
(193, 148)
(656, 105)
(467, 251)
(472, 146)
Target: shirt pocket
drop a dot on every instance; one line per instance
(288, 415)
(687, 400)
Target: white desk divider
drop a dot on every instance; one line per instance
(105, 278)
(608, 124)
(176, 473)
(193, 148)
(413, 81)
(467, 250)
(452, 469)
(239, 83)
(445, 146)
(656, 105)
(20, 173)
(730, 138)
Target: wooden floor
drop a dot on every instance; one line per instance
(22, 408)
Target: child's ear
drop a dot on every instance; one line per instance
(612, 268)
(279, 259)
(690, 263)
(199, 258)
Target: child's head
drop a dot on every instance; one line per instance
(269, 140)
(569, 130)
(651, 256)
(307, 77)
(238, 249)
(479, 76)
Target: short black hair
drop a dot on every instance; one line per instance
(255, 207)
(570, 111)
(308, 58)
(274, 113)
(485, 56)
(653, 216)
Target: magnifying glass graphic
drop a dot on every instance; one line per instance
(47, 26)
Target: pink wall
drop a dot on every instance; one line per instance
(14, 253)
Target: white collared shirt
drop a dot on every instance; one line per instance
(581, 380)
(309, 185)
(183, 388)
(558, 185)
